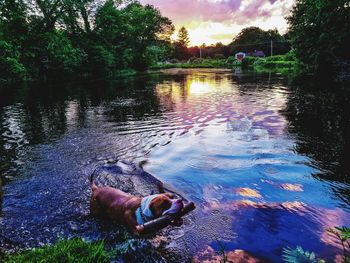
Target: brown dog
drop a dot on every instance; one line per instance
(129, 210)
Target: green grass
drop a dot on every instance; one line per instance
(73, 250)
(197, 63)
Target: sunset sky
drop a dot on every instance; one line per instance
(212, 21)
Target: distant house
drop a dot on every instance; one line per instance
(240, 56)
(257, 53)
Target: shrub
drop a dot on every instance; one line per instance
(192, 59)
(174, 61)
(198, 61)
(230, 60)
(248, 62)
(276, 58)
(236, 63)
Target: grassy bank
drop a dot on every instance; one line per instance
(280, 63)
(126, 249)
(74, 250)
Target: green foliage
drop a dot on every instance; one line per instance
(219, 56)
(320, 31)
(298, 255)
(231, 60)
(248, 62)
(279, 63)
(146, 27)
(74, 250)
(254, 38)
(343, 235)
(101, 60)
(10, 65)
(196, 63)
(40, 39)
(62, 57)
(344, 232)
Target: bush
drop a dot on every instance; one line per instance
(236, 63)
(174, 61)
(276, 58)
(230, 60)
(192, 59)
(198, 61)
(248, 62)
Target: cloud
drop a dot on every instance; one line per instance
(242, 11)
(203, 10)
(209, 21)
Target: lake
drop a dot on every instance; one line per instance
(264, 158)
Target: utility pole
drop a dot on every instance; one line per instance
(271, 48)
(200, 52)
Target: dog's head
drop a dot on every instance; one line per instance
(165, 204)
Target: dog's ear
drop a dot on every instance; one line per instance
(170, 195)
(159, 204)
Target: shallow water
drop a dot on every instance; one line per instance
(264, 161)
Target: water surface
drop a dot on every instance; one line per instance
(265, 161)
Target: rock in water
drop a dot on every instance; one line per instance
(127, 177)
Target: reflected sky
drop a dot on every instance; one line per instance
(231, 143)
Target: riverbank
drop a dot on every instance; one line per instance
(280, 64)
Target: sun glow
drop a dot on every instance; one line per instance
(198, 88)
(212, 21)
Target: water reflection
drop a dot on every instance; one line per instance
(247, 149)
(319, 118)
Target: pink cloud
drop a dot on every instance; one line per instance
(198, 10)
(182, 11)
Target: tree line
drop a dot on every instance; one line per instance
(250, 39)
(318, 34)
(40, 39)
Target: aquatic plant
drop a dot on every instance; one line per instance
(299, 255)
(343, 235)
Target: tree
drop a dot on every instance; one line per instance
(320, 31)
(254, 38)
(183, 37)
(41, 38)
(180, 47)
(145, 27)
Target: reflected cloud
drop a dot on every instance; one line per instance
(292, 187)
(209, 255)
(247, 192)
